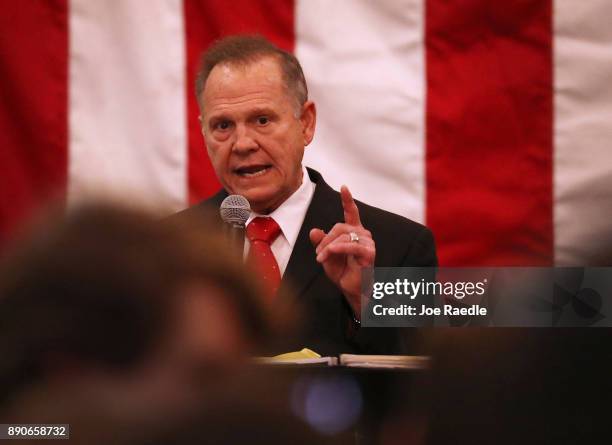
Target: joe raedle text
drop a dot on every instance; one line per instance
(425, 310)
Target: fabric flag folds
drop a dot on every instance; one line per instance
(487, 121)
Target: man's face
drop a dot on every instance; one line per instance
(254, 139)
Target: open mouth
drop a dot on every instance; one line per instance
(252, 171)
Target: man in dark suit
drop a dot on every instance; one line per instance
(256, 121)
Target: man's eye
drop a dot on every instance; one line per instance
(263, 120)
(223, 125)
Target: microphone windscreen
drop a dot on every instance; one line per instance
(235, 210)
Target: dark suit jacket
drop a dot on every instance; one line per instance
(329, 327)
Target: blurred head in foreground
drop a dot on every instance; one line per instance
(109, 310)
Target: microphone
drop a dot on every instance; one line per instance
(235, 210)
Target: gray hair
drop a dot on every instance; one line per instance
(245, 49)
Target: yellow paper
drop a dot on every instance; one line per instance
(297, 355)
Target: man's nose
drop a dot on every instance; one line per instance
(245, 142)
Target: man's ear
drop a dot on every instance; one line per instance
(201, 119)
(309, 121)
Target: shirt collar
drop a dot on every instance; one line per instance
(291, 213)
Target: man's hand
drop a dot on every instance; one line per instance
(342, 258)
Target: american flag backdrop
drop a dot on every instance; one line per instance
(490, 121)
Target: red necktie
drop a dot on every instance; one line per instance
(262, 232)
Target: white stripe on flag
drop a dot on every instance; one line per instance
(364, 62)
(127, 101)
(583, 130)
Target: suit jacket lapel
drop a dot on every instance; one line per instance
(324, 211)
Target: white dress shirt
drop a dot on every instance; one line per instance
(289, 216)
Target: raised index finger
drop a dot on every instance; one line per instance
(351, 212)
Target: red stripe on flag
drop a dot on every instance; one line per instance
(489, 131)
(33, 107)
(206, 21)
